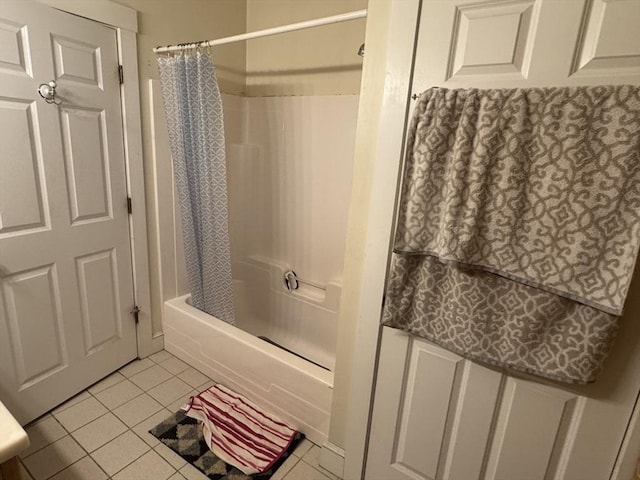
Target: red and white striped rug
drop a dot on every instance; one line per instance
(239, 432)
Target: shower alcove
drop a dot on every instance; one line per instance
(289, 173)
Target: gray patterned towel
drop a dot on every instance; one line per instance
(519, 225)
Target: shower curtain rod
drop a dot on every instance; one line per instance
(343, 17)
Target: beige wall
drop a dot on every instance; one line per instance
(316, 61)
(162, 22)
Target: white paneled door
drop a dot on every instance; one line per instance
(437, 416)
(65, 262)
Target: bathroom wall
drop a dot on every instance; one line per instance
(316, 61)
(162, 22)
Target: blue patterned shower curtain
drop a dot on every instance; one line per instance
(193, 108)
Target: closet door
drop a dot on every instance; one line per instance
(437, 415)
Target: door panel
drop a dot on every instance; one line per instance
(76, 61)
(34, 319)
(65, 261)
(421, 432)
(86, 163)
(21, 192)
(437, 415)
(14, 56)
(492, 38)
(101, 316)
(531, 418)
(608, 39)
(433, 417)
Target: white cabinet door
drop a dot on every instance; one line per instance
(65, 263)
(437, 415)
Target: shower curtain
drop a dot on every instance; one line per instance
(193, 108)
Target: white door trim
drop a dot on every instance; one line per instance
(377, 239)
(125, 21)
(389, 129)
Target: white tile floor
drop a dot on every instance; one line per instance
(102, 433)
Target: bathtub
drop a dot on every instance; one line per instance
(292, 388)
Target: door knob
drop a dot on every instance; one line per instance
(48, 92)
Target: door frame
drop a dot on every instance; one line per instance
(391, 72)
(124, 21)
(386, 112)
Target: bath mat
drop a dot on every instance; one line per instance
(183, 435)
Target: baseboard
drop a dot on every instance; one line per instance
(332, 459)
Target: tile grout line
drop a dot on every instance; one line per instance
(25, 467)
(130, 428)
(68, 434)
(109, 410)
(132, 461)
(149, 448)
(321, 470)
(112, 373)
(36, 421)
(79, 444)
(284, 477)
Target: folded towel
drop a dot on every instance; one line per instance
(496, 321)
(238, 432)
(541, 185)
(519, 225)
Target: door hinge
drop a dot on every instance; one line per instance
(135, 312)
(129, 206)
(120, 74)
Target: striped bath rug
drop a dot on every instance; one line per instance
(230, 438)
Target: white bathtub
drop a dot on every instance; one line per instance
(296, 390)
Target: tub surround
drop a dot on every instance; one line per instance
(304, 320)
(289, 170)
(295, 390)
